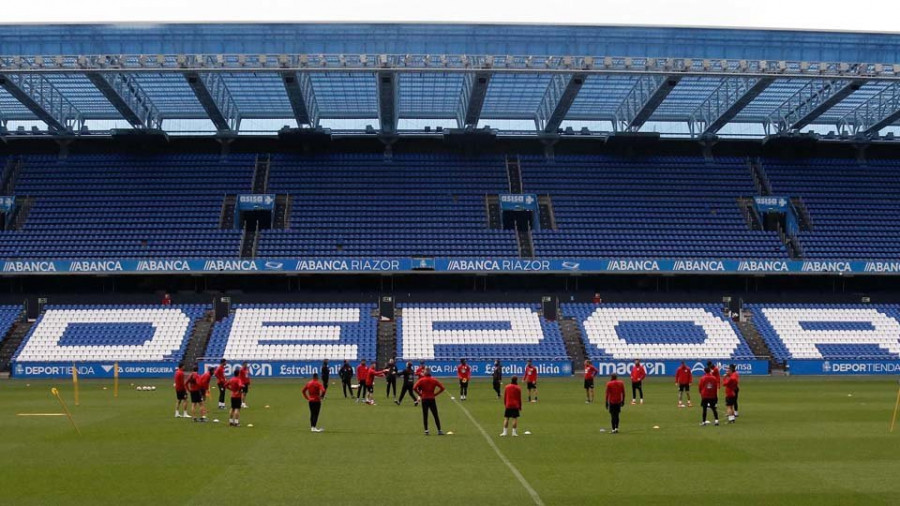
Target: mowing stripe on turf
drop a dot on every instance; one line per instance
(40, 414)
(531, 491)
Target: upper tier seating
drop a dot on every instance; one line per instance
(360, 205)
(669, 207)
(853, 208)
(444, 331)
(133, 333)
(657, 331)
(815, 331)
(116, 206)
(293, 332)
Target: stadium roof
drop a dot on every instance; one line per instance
(398, 78)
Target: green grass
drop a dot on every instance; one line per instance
(798, 441)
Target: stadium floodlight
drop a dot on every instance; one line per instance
(529, 60)
(743, 65)
(444, 60)
(549, 62)
(878, 68)
(587, 63)
(220, 60)
(181, 60)
(242, 59)
(763, 66)
(706, 64)
(262, 59)
(82, 61)
(59, 60)
(427, 60)
(304, 60)
(607, 62)
(862, 69)
(650, 63)
(322, 61)
(39, 61)
(363, 60)
(781, 66)
(628, 62)
(724, 64)
(342, 60)
(804, 66)
(464, 60)
(843, 68)
(687, 64)
(160, 60)
(489, 61)
(283, 60)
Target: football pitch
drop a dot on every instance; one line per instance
(797, 441)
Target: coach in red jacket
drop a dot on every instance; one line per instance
(615, 400)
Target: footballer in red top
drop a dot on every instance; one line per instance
(362, 373)
(731, 391)
(638, 373)
(709, 394)
(531, 375)
(236, 386)
(589, 373)
(714, 370)
(180, 392)
(464, 373)
(683, 379)
(420, 371)
(428, 389)
(220, 382)
(371, 374)
(512, 402)
(245, 381)
(615, 399)
(196, 389)
(313, 393)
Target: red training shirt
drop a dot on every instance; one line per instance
(709, 387)
(371, 373)
(683, 375)
(220, 375)
(589, 372)
(235, 385)
(638, 373)
(179, 380)
(463, 371)
(426, 387)
(313, 391)
(362, 371)
(193, 382)
(531, 374)
(512, 397)
(731, 384)
(204, 381)
(615, 392)
(245, 375)
(420, 371)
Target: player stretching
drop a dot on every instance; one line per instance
(684, 378)
(362, 371)
(709, 395)
(428, 389)
(638, 373)
(237, 390)
(615, 400)
(371, 374)
(589, 372)
(245, 380)
(408, 382)
(220, 382)
(714, 370)
(512, 401)
(196, 389)
(464, 373)
(346, 375)
(497, 376)
(313, 393)
(180, 392)
(204, 391)
(531, 375)
(731, 388)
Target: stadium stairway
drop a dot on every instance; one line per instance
(492, 210)
(249, 242)
(261, 174)
(571, 334)
(22, 210)
(525, 241)
(749, 212)
(514, 175)
(755, 341)
(226, 220)
(760, 180)
(386, 345)
(282, 211)
(11, 342)
(805, 220)
(545, 213)
(196, 347)
(10, 174)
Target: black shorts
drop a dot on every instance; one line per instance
(709, 403)
(511, 413)
(245, 388)
(684, 388)
(196, 396)
(370, 388)
(637, 384)
(235, 403)
(182, 395)
(730, 401)
(589, 383)
(531, 386)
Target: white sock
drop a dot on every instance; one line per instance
(504, 432)
(515, 433)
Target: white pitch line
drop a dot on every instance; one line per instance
(528, 488)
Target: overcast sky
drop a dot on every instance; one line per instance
(859, 15)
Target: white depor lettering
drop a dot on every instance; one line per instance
(600, 329)
(802, 343)
(253, 325)
(170, 329)
(420, 337)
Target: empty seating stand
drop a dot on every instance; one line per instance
(658, 331)
(853, 208)
(835, 331)
(295, 332)
(133, 333)
(654, 207)
(446, 331)
(360, 205)
(118, 206)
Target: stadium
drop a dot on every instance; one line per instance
(542, 201)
